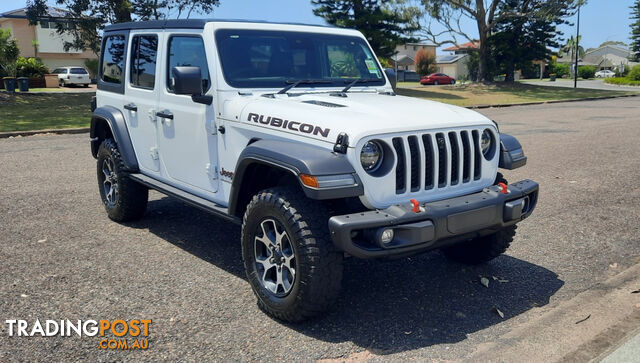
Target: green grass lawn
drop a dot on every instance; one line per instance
(480, 94)
(44, 111)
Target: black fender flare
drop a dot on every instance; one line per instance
(118, 127)
(295, 158)
(511, 153)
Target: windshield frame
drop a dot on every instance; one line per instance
(333, 83)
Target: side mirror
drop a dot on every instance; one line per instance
(188, 81)
(391, 74)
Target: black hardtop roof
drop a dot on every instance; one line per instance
(188, 24)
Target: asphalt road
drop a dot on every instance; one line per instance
(61, 258)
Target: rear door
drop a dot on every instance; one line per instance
(141, 98)
(187, 138)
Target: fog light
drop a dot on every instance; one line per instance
(386, 236)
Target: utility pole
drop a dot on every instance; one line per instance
(575, 72)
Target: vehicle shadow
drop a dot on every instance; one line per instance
(386, 306)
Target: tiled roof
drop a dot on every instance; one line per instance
(22, 13)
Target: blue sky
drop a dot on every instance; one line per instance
(601, 20)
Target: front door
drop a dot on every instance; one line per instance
(141, 97)
(186, 132)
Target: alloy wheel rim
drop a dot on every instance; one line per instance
(110, 183)
(275, 258)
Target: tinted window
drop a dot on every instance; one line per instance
(187, 51)
(113, 59)
(257, 58)
(59, 71)
(143, 60)
(79, 71)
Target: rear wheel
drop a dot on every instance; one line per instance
(123, 199)
(290, 261)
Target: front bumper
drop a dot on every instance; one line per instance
(437, 224)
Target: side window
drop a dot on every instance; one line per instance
(187, 51)
(144, 52)
(113, 59)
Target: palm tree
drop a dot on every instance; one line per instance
(570, 48)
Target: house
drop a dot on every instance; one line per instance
(607, 57)
(464, 48)
(42, 40)
(454, 65)
(406, 55)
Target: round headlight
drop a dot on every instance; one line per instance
(371, 156)
(485, 142)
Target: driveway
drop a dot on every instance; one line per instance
(589, 83)
(63, 259)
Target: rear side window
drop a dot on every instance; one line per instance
(187, 51)
(59, 71)
(78, 71)
(113, 59)
(144, 51)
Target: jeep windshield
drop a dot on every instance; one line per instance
(275, 59)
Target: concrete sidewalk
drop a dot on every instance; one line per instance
(628, 352)
(588, 83)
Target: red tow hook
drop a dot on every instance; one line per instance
(503, 188)
(416, 206)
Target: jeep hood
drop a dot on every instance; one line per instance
(360, 114)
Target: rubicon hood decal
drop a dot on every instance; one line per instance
(289, 125)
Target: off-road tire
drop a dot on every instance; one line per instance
(318, 264)
(131, 200)
(482, 249)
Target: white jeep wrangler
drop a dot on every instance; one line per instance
(295, 132)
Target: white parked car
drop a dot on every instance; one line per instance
(72, 75)
(295, 133)
(605, 73)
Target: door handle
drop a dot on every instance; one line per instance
(165, 114)
(131, 107)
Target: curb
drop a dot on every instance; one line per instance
(4, 135)
(79, 130)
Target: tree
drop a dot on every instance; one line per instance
(385, 23)
(85, 19)
(635, 31)
(614, 43)
(425, 63)
(487, 14)
(570, 48)
(518, 41)
(9, 53)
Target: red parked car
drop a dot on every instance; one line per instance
(436, 79)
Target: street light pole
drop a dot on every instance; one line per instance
(575, 72)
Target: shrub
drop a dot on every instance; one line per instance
(622, 81)
(560, 69)
(92, 66)
(425, 63)
(31, 67)
(634, 73)
(586, 72)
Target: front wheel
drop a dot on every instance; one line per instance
(124, 199)
(290, 261)
(435, 83)
(453, 81)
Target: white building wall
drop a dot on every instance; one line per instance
(49, 41)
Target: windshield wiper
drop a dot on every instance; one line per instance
(296, 83)
(353, 83)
